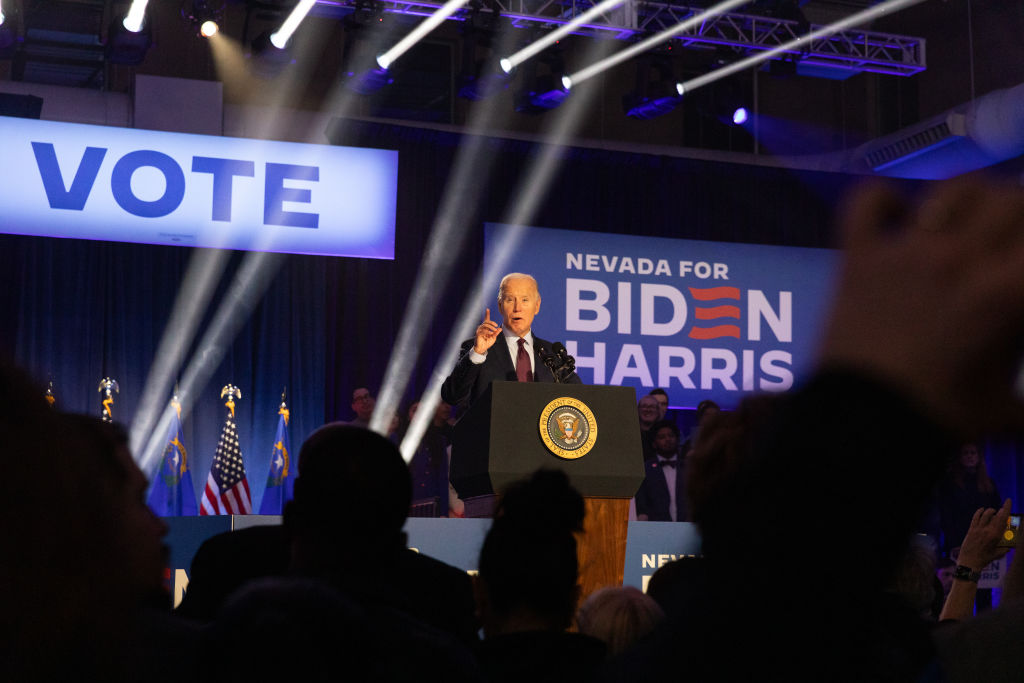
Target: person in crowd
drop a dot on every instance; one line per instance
(965, 488)
(661, 396)
(662, 495)
(363, 404)
(83, 565)
(527, 586)
(913, 582)
(429, 464)
(647, 410)
(618, 616)
(944, 568)
(706, 412)
(984, 648)
(923, 346)
(675, 584)
(980, 547)
(343, 526)
(518, 356)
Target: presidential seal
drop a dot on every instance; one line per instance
(568, 428)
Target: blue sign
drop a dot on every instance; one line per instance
(702, 320)
(151, 187)
(649, 545)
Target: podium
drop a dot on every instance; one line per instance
(589, 432)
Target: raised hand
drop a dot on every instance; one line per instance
(486, 333)
(932, 299)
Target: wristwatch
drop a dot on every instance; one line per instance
(966, 574)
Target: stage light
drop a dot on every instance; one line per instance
(388, 58)
(509, 63)
(369, 81)
(740, 116)
(541, 91)
(136, 16)
(541, 97)
(800, 43)
(653, 41)
(281, 36)
(655, 92)
(204, 15)
(129, 40)
(268, 60)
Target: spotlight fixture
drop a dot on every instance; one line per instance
(8, 35)
(365, 13)
(655, 92)
(203, 15)
(477, 78)
(136, 17)
(125, 46)
(541, 91)
(268, 60)
(280, 38)
(540, 96)
(369, 81)
(740, 116)
(477, 86)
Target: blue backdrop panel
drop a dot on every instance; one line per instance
(699, 319)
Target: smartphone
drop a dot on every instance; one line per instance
(1009, 539)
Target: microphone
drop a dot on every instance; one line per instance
(564, 364)
(550, 360)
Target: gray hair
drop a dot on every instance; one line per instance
(516, 276)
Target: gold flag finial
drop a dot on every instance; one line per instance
(232, 392)
(283, 408)
(108, 387)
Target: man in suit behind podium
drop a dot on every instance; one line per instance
(509, 352)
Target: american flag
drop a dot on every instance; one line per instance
(227, 489)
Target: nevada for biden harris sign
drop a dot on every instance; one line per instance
(699, 319)
(152, 187)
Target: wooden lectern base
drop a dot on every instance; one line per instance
(601, 548)
(602, 545)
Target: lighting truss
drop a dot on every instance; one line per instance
(853, 50)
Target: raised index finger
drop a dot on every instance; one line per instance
(487, 315)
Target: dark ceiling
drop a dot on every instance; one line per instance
(970, 47)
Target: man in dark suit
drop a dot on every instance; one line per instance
(662, 495)
(507, 352)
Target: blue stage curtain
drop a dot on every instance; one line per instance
(77, 311)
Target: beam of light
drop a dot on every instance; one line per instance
(644, 45)
(204, 270)
(509, 63)
(136, 15)
(209, 29)
(281, 36)
(426, 26)
(796, 44)
(523, 205)
(472, 168)
(250, 282)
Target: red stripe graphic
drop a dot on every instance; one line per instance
(716, 312)
(715, 293)
(715, 332)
